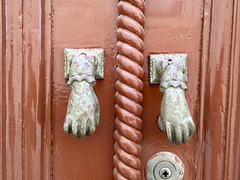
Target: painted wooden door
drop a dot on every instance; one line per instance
(34, 94)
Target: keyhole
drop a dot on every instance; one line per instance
(165, 173)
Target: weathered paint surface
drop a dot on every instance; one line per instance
(129, 86)
(34, 94)
(84, 24)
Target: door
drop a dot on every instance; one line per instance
(34, 93)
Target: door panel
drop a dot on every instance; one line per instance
(232, 165)
(11, 48)
(214, 88)
(84, 24)
(34, 94)
(179, 30)
(171, 27)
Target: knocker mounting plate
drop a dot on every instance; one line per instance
(156, 58)
(98, 53)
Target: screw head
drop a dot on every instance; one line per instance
(165, 173)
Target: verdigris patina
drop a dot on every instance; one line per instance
(83, 110)
(175, 118)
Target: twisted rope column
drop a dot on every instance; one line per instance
(129, 87)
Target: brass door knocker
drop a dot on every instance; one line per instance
(83, 110)
(170, 70)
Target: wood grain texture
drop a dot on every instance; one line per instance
(34, 94)
(12, 71)
(36, 88)
(214, 90)
(206, 29)
(2, 47)
(232, 167)
(25, 90)
(34, 85)
(47, 150)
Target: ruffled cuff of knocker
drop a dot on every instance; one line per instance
(80, 78)
(165, 85)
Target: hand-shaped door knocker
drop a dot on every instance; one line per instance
(83, 109)
(175, 118)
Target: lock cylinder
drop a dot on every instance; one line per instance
(164, 165)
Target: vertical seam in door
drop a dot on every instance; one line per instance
(43, 71)
(231, 93)
(202, 85)
(199, 86)
(52, 59)
(23, 92)
(228, 92)
(4, 110)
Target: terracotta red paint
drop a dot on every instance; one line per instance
(86, 24)
(34, 93)
(131, 46)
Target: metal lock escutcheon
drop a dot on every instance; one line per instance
(164, 165)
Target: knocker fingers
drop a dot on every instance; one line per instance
(91, 126)
(67, 126)
(185, 132)
(80, 127)
(76, 129)
(83, 127)
(169, 133)
(178, 135)
(191, 128)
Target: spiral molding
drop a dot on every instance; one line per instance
(129, 86)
